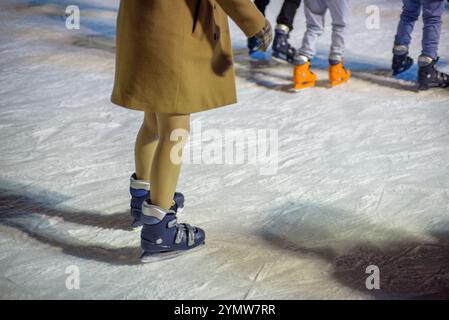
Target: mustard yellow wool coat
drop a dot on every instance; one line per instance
(175, 56)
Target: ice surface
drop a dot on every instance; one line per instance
(363, 175)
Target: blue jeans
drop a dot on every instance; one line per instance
(432, 10)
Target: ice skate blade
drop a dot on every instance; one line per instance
(280, 60)
(425, 87)
(399, 72)
(299, 87)
(337, 83)
(150, 257)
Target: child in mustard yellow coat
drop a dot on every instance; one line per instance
(173, 58)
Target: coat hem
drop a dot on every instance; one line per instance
(134, 104)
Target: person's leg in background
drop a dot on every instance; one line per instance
(315, 11)
(253, 44)
(282, 49)
(428, 75)
(287, 14)
(262, 5)
(411, 11)
(144, 150)
(340, 12)
(432, 12)
(161, 232)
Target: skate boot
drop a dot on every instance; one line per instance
(338, 73)
(401, 61)
(162, 237)
(282, 50)
(429, 76)
(254, 50)
(302, 76)
(140, 191)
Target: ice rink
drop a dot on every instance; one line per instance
(362, 177)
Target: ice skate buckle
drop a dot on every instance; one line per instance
(183, 229)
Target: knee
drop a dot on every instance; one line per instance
(174, 134)
(174, 131)
(315, 30)
(431, 17)
(409, 15)
(149, 129)
(149, 133)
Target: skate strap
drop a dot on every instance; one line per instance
(154, 211)
(183, 229)
(443, 76)
(139, 184)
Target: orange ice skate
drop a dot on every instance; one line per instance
(303, 77)
(338, 74)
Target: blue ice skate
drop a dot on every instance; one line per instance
(282, 50)
(162, 237)
(254, 50)
(140, 191)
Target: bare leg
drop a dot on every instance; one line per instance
(165, 169)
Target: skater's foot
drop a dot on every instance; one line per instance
(401, 61)
(162, 235)
(338, 74)
(302, 76)
(282, 50)
(140, 191)
(254, 50)
(429, 76)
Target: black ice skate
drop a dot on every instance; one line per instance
(429, 76)
(282, 50)
(401, 60)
